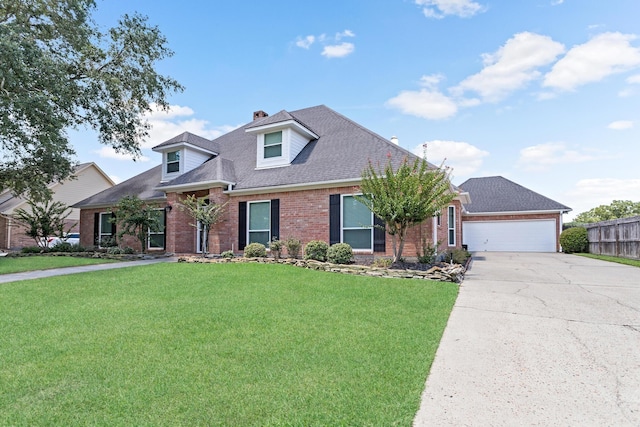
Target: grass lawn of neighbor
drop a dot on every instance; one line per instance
(217, 344)
(619, 260)
(31, 263)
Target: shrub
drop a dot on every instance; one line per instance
(458, 256)
(227, 254)
(32, 250)
(128, 250)
(382, 262)
(115, 250)
(574, 240)
(429, 253)
(293, 247)
(340, 253)
(276, 247)
(317, 250)
(67, 247)
(255, 250)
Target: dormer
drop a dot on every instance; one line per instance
(279, 139)
(183, 153)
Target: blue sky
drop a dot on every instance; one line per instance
(543, 92)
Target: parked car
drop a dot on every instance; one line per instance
(71, 238)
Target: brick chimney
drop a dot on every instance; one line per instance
(259, 114)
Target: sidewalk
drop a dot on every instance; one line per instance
(38, 274)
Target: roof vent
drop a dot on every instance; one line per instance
(259, 114)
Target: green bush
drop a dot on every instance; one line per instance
(293, 247)
(67, 247)
(574, 240)
(255, 250)
(382, 262)
(32, 250)
(340, 253)
(227, 254)
(276, 247)
(458, 256)
(317, 250)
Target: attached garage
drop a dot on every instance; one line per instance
(510, 236)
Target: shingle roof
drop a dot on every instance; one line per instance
(142, 185)
(498, 194)
(190, 138)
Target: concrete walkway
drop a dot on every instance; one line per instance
(38, 274)
(539, 339)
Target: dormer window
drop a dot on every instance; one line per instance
(273, 145)
(173, 162)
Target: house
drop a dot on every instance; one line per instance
(505, 216)
(290, 175)
(87, 179)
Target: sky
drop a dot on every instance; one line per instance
(545, 93)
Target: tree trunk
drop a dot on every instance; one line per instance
(401, 237)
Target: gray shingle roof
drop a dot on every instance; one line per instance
(190, 138)
(498, 194)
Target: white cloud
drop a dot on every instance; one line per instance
(556, 2)
(425, 103)
(603, 55)
(338, 51)
(621, 125)
(440, 8)
(110, 153)
(590, 193)
(635, 79)
(345, 33)
(462, 157)
(166, 125)
(513, 66)
(115, 178)
(305, 42)
(542, 156)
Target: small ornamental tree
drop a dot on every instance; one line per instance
(204, 215)
(405, 197)
(137, 218)
(44, 220)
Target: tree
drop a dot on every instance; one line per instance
(137, 218)
(60, 72)
(44, 220)
(617, 209)
(405, 197)
(204, 215)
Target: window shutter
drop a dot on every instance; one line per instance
(275, 219)
(334, 219)
(164, 236)
(113, 225)
(96, 228)
(242, 225)
(379, 234)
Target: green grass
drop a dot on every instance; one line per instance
(217, 344)
(632, 262)
(32, 263)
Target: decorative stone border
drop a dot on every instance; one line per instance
(443, 273)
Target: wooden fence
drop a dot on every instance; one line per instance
(617, 237)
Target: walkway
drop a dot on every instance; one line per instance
(539, 339)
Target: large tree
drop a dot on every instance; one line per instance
(405, 197)
(44, 220)
(59, 72)
(137, 218)
(617, 209)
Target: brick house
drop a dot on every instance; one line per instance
(87, 179)
(293, 174)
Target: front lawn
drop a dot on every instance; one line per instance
(619, 260)
(217, 344)
(10, 264)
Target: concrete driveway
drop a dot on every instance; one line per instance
(539, 339)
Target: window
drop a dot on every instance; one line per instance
(105, 236)
(451, 225)
(173, 162)
(156, 238)
(273, 145)
(259, 219)
(357, 224)
(439, 219)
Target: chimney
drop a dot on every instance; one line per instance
(394, 139)
(259, 114)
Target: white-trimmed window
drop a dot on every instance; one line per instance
(156, 238)
(273, 145)
(105, 235)
(259, 222)
(173, 161)
(357, 224)
(451, 225)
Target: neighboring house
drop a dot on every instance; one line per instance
(87, 179)
(505, 216)
(290, 175)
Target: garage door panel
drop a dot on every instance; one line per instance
(510, 236)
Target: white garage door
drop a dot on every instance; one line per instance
(510, 236)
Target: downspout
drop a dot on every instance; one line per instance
(434, 237)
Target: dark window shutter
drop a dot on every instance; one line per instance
(242, 225)
(379, 234)
(113, 224)
(275, 219)
(96, 228)
(164, 236)
(334, 219)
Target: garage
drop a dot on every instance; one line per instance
(510, 236)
